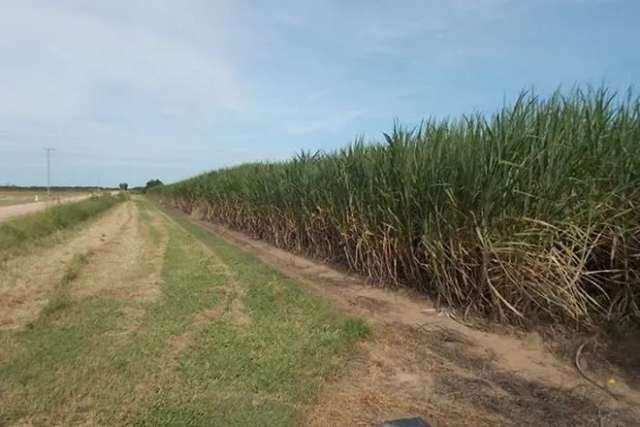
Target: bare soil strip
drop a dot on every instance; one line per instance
(26, 281)
(422, 361)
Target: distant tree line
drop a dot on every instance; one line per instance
(122, 186)
(150, 184)
(57, 188)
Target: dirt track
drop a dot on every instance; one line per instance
(423, 361)
(8, 212)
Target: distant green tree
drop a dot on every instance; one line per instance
(124, 186)
(153, 183)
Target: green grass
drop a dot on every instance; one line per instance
(23, 232)
(260, 373)
(170, 364)
(145, 209)
(526, 215)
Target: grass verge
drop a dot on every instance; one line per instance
(23, 231)
(229, 342)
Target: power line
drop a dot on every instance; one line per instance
(49, 150)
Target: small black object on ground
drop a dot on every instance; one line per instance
(406, 422)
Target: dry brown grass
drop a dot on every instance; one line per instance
(26, 281)
(131, 256)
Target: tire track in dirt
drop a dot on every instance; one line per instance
(232, 305)
(26, 281)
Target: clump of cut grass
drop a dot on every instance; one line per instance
(19, 232)
(529, 214)
(60, 298)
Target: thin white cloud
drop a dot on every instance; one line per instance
(53, 57)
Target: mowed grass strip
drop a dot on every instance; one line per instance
(229, 342)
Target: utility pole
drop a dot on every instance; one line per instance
(49, 150)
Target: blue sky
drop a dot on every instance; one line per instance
(133, 90)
